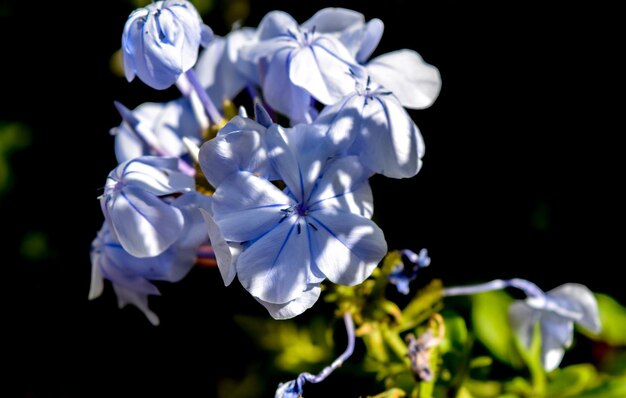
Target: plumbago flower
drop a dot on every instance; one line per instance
(556, 312)
(134, 203)
(372, 123)
(401, 275)
(161, 41)
(157, 129)
(131, 276)
(318, 227)
(298, 64)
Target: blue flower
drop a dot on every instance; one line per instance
(318, 227)
(298, 64)
(161, 41)
(131, 276)
(157, 129)
(372, 123)
(349, 27)
(238, 146)
(402, 275)
(556, 312)
(134, 204)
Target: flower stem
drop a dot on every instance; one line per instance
(211, 111)
(527, 287)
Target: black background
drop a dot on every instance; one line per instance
(522, 177)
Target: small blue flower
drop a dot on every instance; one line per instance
(349, 27)
(556, 311)
(402, 275)
(318, 227)
(161, 41)
(238, 146)
(372, 123)
(134, 204)
(298, 64)
(157, 129)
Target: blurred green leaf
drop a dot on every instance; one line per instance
(13, 137)
(295, 348)
(483, 389)
(571, 381)
(491, 326)
(612, 319)
(35, 246)
(612, 388)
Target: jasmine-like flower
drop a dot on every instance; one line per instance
(161, 41)
(402, 275)
(298, 64)
(134, 204)
(157, 129)
(556, 312)
(238, 146)
(293, 239)
(372, 123)
(359, 37)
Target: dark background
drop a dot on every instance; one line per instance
(522, 178)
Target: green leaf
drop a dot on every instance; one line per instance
(612, 388)
(612, 319)
(571, 381)
(491, 325)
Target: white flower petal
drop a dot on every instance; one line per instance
(404, 72)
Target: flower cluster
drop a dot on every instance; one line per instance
(282, 197)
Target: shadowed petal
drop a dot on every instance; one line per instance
(246, 206)
(391, 144)
(408, 77)
(296, 306)
(281, 94)
(323, 70)
(143, 223)
(127, 296)
(275, 268)
(584, 302)
(347, 247)
(523, 320)
(344, 186)
(225, 253)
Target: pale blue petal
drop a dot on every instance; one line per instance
(346, 247)
(298, 155)
(161, 126)
(127, 296)
(275, 267)
(246, 206)
(551, 356)
(523, 319)
(404, 72)
(143, 223)
(344, 187)
(241, 150)
(281, 94)
(194, 231)
(390, 144)
(172, 265)
(371, 36)
(334, 20)
(583, 301)
(216, 69)
(226, 253)
(157, 175)
(343, 120)
(276, 23)
(296, 306)
(559, 329)
(323, 70)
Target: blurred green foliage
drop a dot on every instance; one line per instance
(13, 137)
